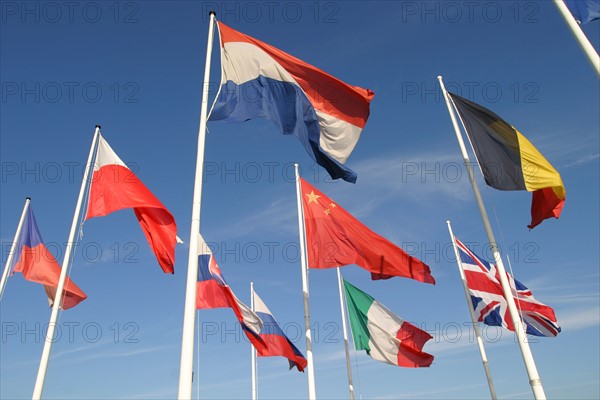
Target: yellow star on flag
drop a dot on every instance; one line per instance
(312, 197)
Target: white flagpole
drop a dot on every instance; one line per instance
(345, 329)
(253, 350)
(534, 378)
(484, 360)
(13, 247)
(312, 395)
(582, 40)
(41, 376)
(189, 312)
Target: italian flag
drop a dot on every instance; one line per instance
(384, 335)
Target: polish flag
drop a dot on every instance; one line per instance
(115, 187)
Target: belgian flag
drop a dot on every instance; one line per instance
(510, 162)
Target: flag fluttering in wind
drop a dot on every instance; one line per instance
(335, 238)
(38, 265)
(490, 304)
(213, 292)
(584, 11)
(277, 343)
(261, 81)
(115, 187)
(384, 335)
(510, 162)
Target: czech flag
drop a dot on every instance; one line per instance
(37, 264)
(277, 342)
(115, 187)
(213, 292)
(261, 81)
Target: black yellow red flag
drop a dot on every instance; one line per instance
(510, 162)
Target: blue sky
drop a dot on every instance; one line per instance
(136, 68)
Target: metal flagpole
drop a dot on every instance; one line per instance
(582, 40)
(484, 360)
(13, 248)
(254, 381)
(534, 378)
(312, 395)
(345, 329)
(41, 376)
(189, 312)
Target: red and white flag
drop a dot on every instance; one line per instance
(115, 187)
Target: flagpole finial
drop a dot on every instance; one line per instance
(98, 126)
(28, 198)
(212, 12)
(439, 77)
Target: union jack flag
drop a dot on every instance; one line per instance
(491, 306)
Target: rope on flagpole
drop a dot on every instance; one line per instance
(357, 371)
(41, 375)
(510, 268)
(532, 373)
(198, 356)
(356, 364)
(186, 365)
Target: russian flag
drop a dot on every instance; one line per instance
(261, 81)
(212, 291)
(115, 187)
(38, 265)
(277, 343)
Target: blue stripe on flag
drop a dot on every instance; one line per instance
(287, 106)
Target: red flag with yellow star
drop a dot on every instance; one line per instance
(335, 238)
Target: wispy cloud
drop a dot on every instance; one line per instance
(582, 160)
(567, 153)
(166, 393)
(429, 393)
(61, 354)
(86, 347)
(580, 319)
(90, 348)
(415, 175)
(278, 215)
(572, 298)
(415, 178)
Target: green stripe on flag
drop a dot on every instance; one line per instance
(358, 307)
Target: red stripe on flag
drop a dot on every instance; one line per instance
(115, 187)
(326, 93)
(486, 310)
(39, 265)
(410, 352)
(545, 204)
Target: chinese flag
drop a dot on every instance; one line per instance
(335, 238)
